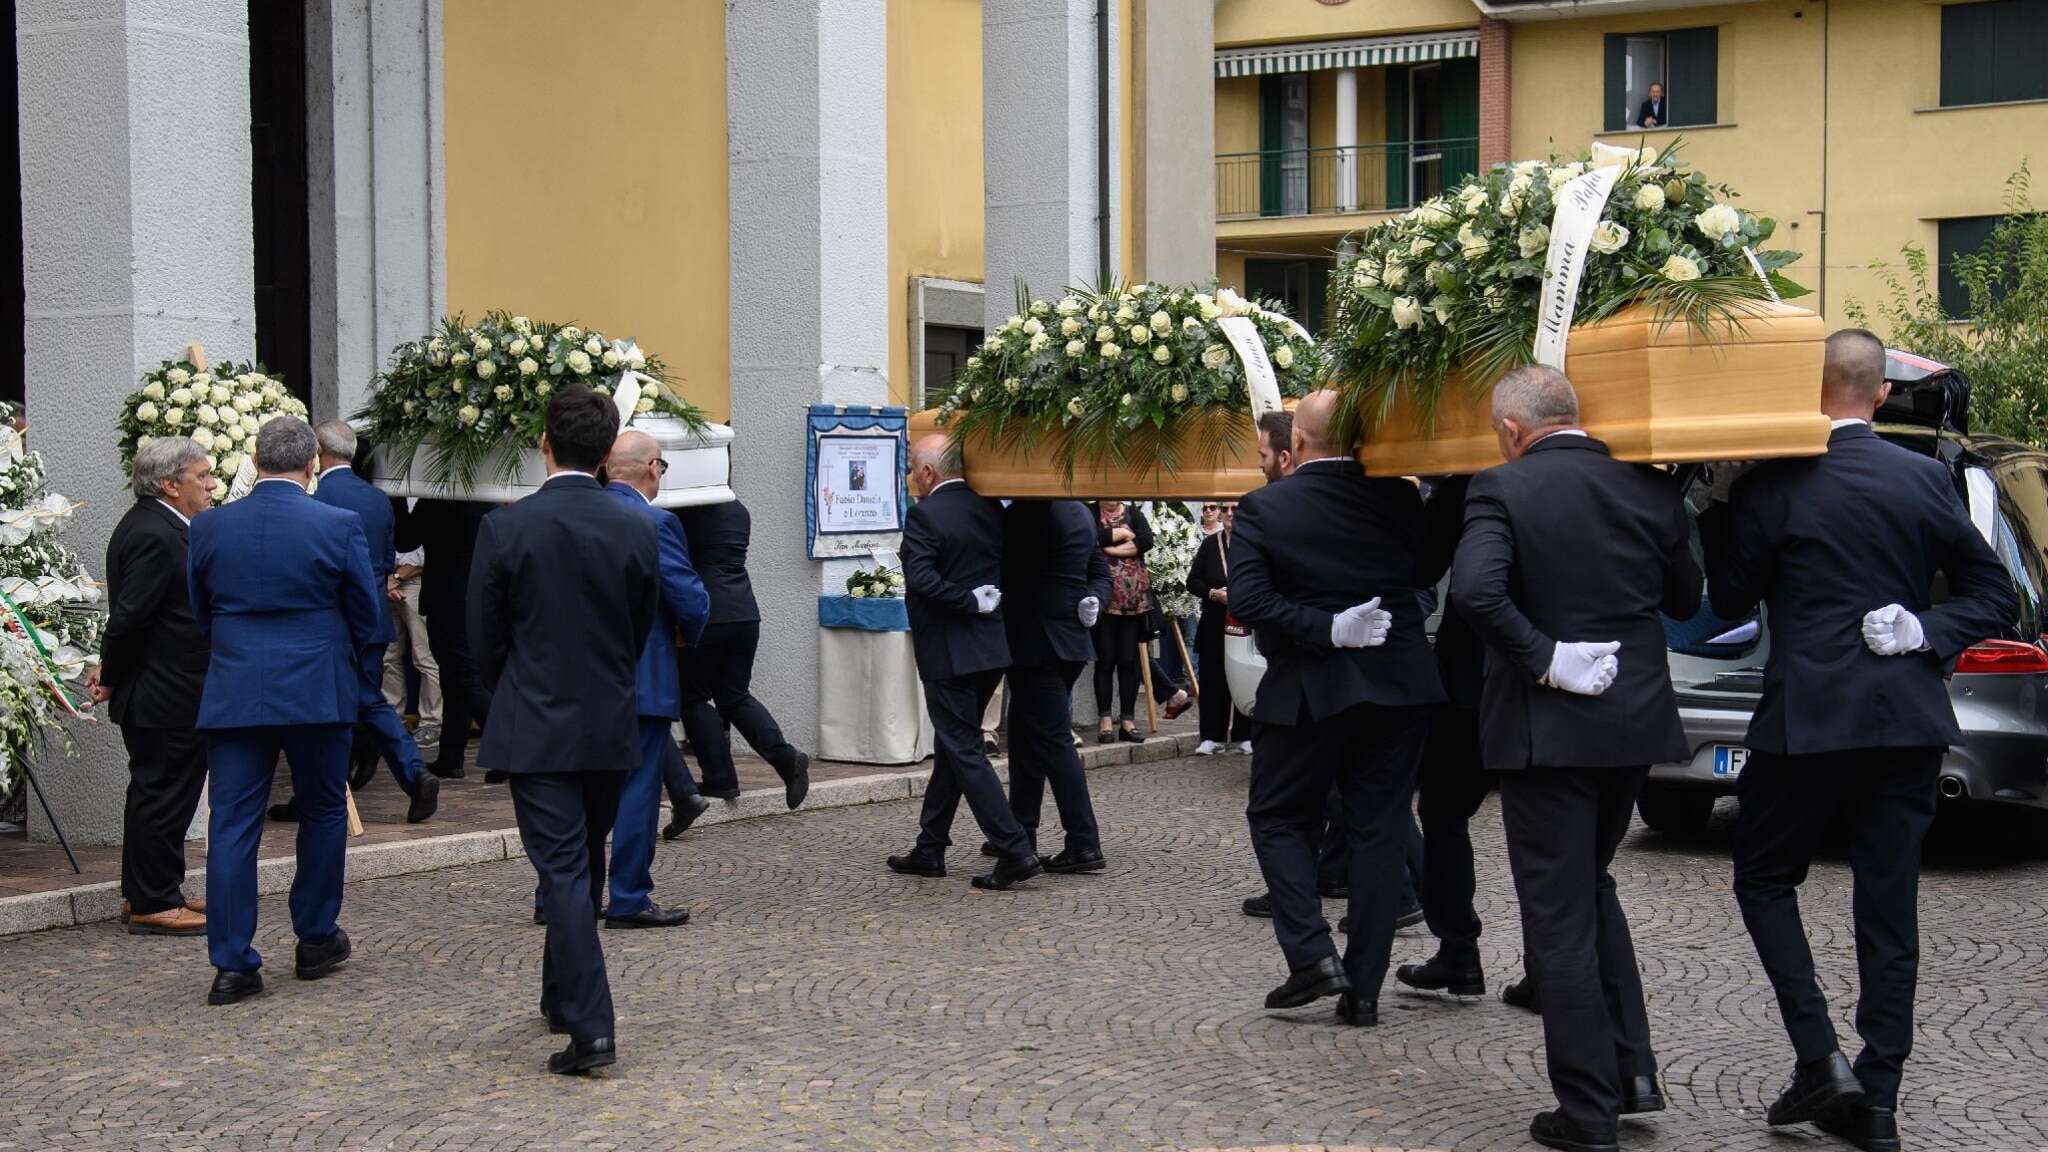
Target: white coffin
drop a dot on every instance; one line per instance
(699, 469)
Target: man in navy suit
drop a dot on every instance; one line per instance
(1054, 580)
(1855, 717)
(340, 487)
(635, 468)
(952, 559)
(281, 585)
(563, 589)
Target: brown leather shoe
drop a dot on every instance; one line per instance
(169, 922)
(197, 904)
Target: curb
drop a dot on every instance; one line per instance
(96, 903)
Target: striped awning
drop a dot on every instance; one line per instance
(1367, 52)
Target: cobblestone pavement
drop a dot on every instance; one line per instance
(819, 1001)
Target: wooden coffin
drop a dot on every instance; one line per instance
(1032, 472)
(1659, 394)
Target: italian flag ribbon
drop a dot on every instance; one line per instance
(20, 626)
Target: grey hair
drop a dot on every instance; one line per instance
(1535, 396)
(285, 446)
(337, 439)
(164, 458)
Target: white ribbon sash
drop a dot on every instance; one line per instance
(1579, 204)
(1258, 370)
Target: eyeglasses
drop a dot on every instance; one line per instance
(660, 465)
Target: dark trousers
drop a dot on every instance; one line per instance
(717, 673)
(1884, 798)
(960, 768)
(1452, 786)
(1116, 664)
(1221, 721)
(166, 772)
(1333, 855)
(1563, 825)
(1369, 752)
(240, 763)
(1042, 749)
(563, 820)
(632, 879)
(387, 731)
(675, 775)
(463, 696)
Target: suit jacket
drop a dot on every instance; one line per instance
(342, 488)
(1824, 540)
(1208, 571)
(152, 657)
(1661, 109)
(448, 529)
(658, 687)
(718, 535)
(1313, 544)
(1050, 564)
(565, 586)
(1569, 544)
(282, 585)
(953, 544)
(1460, 656)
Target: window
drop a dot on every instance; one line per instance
(1299, 284)
(1283, 144)
(946, 349)
(1684, 63)
(1993, 52)
(1958, 237)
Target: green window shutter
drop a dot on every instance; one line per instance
(1397, 136)
(1692, 55)
(1615, 90)
(2019, 63)
(1959, 237)
(1272, 102)
(1966, 52)
(1461, 119)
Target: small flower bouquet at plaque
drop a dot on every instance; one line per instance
(874, 584)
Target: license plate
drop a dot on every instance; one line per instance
(1729, 760)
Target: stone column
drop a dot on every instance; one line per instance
(807, 139)
(1496, 142)
(1347, 139)
(1175, 120)
(138, 238)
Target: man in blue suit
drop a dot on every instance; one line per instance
(340, 487)
(635, 467)
(281, 585)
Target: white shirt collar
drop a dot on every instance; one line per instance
(1834, 425)
(942, 484)
(1559, 432)
(342, 467)
(568, 472)
(182, 518)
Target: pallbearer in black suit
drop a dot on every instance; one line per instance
(1567, 559)
(952, 560)
(563, 591)
(1327, 567)
(1054, 580)
(449, 527)
(1843, 550)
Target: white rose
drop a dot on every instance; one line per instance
(1127, 400)
(1531, 241)
(1076, 408)
(455, 386)
(569, 332)
(153, 390)
(1674, 190)
(1012, 324)
(593, 346)
(1680, 268)
(1162, 323)
(1420, 246)
(459, 359)
(611, 358)
(142, 442)
(1111, 351)
(250, 425)
(858, 591)
(1105, 334)
(543, 388)
(468, 414)
(644, 404)
(1161, 354)
(146, 413)
(182, 396)
(1068, 306)
(992, 344)
(1395, 275)
(1407, 312)
(1124, 315)
(481, 345)
(1075, 348)
(174, 417)
(1070, 327)
(1495, 298)
(1191, 326)
(1215, 356)
(410, 407)
(521, 324)
(1719, 223)
(231, 464)
(1039, 341)
(1609, 237)
(974, 361)
(1433, 214)
(1473, 198)
(527, 366)
(502, 392)
(579, 362)
(220, 395)
(636, 359)
(1012, 385)
(1559, 177)
(202, 380)
(1140, 334)
(485, 369)
(517, 347)
(1178, 393)
(1232, 304)
(1284, 356)
(203, 438)
(209, 415)
(178, 377)
(1649, 198)
(1473, 243)
(1033, 326)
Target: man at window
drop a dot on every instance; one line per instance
(1652, 114)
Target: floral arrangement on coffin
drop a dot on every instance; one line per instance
(1175, 537)
(1122, 374)
(1452, 286)
(874, 584)
(50, 621)
(220, 409)
(469, 390)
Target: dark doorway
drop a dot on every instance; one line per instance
(13, 340)
(1299, 284)
(277, 187)
(946, 350)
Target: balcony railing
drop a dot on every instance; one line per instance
(1324, 181)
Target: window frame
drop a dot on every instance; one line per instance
(1997, 67)
(1694, 51)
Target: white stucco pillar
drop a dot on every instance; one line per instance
(807, 138)
(1174, 123)
(1347, 139)
(138, 239)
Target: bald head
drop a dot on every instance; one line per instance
(636, 460)
(1852, 382)
(1312, 437)
(932, 462)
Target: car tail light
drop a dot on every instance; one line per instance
(2003, 658)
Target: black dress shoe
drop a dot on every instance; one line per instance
(797, 784)
(1433, 975)
(285, 813)
(1817, 1087)
(1409, 917)
(556, 1025)
(1070, 861)
(231, 987)
(317, 960)
(1008, 874)
(1521, 994)
(1867, 1126)
(652, 916)
(1556, 1130)
(685, 814)
(446, 770)
(917, 866)
(1355, 1012)
(1129, 736)
(722, 793)
(1105, 736)
(1260, 906)
(426, 796)
(362, 768)
(989, 747)
(1323, 978)
(583, 1055)
(1640, 1094)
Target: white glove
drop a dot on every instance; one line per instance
(1586, 669)
(986, 598)
(1361, 626)
(1893, 631)
(1089, 610)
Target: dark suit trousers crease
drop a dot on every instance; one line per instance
(1042, 749)
(1452, 787)
(717, 677)
(1370, 752)
(166, 774)
(1221, 721)
(1333, 855)
(1885, 800)
(563, 820)
(1563, 825)
(960, 768)
(463, 696)
(240, 763)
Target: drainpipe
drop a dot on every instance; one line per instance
(1102, 180)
